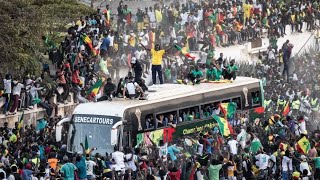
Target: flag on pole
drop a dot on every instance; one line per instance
(184, 52)
(88, 41)
(224, 125)
(94, 90)
(20, 125)
(228, 109)
(303, 145)
(286, 110)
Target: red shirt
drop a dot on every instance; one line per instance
(75, 77)
(175, 175)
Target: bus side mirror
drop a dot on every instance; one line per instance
(58, 133)
(114, 134)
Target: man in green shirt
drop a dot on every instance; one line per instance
(214, 169)
(211, 73)
(196, 75)
(317, 167)
(67, 170)
(230, 71)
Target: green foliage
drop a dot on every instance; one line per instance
(22, 25)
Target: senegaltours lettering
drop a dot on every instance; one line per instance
(93, 120)
(197, 129)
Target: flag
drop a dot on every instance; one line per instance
(86, 143)
(228, 109)
(88, 41)
(255, 145)
(224, 125)
(286, 110)
(184, 52)
(140, 139)
(20, 125)
(303, 145)
(256, 113)
(94, 90)
(41, 124)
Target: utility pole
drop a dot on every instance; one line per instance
(92, 3)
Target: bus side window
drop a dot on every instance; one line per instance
(238, 103)
(159, 121)
(170, 119)
(205, 111)
(255, 98)
(149, 122)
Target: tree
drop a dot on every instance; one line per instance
(22, 25)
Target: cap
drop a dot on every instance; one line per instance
(133, 60)
(198, 165)
(303, 158)
(65, 158)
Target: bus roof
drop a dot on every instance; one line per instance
(159, 93)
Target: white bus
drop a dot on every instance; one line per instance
(122, 122)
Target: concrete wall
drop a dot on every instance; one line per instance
(31, 116)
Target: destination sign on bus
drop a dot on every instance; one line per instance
(103, 120)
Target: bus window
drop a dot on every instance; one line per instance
(170, 119)
(206, 111)
(238, 102)
(256, 98)
(149, 122)
(189, 114)
(159, 121)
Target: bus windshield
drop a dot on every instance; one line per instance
(96, 129)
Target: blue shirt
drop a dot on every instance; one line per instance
(105, 43)
(82, 168)
(209, 148)
(26, 174)
(68, 171)
(171, 151)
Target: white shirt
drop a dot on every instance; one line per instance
(7, 86)
(241, 138)
(199, 175)
(131, 87)
(90, 164)
(130, 164)
(271, 54)
(138, 54)
(152, 16)
(285, 162)
(200, 149)
(200, 14)
(17, 89)
(233, 146)
(163, 151)
(111, 39)
(145, 38)
(118, 157)
(184, 18)
(263, 161)
(303, 166)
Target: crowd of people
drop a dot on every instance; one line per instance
(98, 46)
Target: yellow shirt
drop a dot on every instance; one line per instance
(158, 16)
(132, 41)
(157, 56)
(13, 138)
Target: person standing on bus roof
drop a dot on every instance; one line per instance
(157, 54)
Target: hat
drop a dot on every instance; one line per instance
(28, 166)
(144, 28)
(15, 82)
(303, 158)
(65, 158)
(133, 60)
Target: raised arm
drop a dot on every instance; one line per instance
(145, 47)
